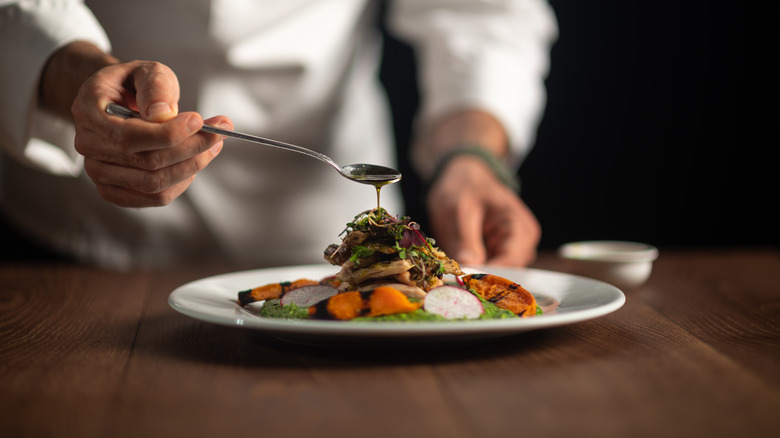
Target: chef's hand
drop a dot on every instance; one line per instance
(475, 218)
(478, 220)
(133, 163)
(146, 162)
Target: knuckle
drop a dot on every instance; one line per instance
(156, 201)
(77, 112)
(151, 160)
(173, 134)
(129, 199)
(163, 198)
(92, 170)
(153, 67)
(199, 163)
(79, 143)
(155, 74)
(110, 194)
(150, 183)
(105, 193)
(120, 139)
(156, 80)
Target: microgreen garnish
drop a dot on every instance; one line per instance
(388, 236)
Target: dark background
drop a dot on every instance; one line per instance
(660, 125)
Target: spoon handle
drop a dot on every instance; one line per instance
(126, 113)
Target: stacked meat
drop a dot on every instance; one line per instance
(380, 250)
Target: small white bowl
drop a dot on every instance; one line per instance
(626, 265)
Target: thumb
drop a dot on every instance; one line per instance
(157, 91)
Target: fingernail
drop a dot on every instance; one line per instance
(159, 108)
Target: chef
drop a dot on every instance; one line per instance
(156, 192)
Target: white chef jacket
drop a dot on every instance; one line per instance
(301, 71)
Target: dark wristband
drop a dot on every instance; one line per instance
(500, 170)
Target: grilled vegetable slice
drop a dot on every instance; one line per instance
(309, 295)
(377, 302)
(343, 306)
(272, 290)
(389, 301)
(503, 293)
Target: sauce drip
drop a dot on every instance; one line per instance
(378, 181)
(378, 185)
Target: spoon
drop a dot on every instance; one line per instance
(362, 173)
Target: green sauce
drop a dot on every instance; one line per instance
(416, 316)
(274, 309)
(492, 311)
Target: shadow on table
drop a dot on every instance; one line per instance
(366, 352)
(198, 341)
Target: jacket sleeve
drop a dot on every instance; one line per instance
(490, 54)
(30, 31)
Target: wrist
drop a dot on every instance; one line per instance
(503, 173)
(64, 73)
(461, 133)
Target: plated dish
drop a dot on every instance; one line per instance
(565, 299)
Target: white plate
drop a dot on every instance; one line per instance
(566, 298)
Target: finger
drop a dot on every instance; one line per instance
(520, 255)
(512, 235)
(105, 86)
(151, 146)
(470, 247)
(124, 197)
(458, 229)
(157, 91)
(514, 250)
(136, 136)
(117, 83)
(148, 182)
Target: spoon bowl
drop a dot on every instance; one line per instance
(363, 173)
(370, 174)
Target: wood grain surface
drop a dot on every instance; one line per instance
(694, 352)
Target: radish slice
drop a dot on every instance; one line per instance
(307, 296)
(453, 302)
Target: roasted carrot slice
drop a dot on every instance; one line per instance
(504, 293)
(343, 306)
(270, 291)
(389, 301)
(377, 302)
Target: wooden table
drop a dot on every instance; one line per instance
(694, 352)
